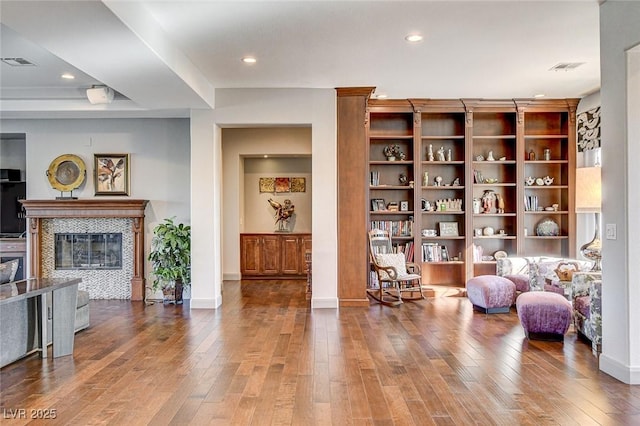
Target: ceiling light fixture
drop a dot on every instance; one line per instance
(249, 60)
(68, 76)
(381, 96)
(100, 95)
(17, 62)
(413, 38)
(539, 95)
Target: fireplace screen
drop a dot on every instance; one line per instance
(88, 251)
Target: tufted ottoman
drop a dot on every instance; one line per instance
(491, 294)
(544, 315)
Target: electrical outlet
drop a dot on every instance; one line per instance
(611, 232)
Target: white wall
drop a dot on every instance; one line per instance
(238, 108)
(619, 32)
(159, 150)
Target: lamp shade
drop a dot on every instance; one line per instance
(588, 190)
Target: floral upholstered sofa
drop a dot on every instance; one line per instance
(538, 273)
(587, 307)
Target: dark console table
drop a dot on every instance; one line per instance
(64, 294)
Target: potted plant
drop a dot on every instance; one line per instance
(170, 258)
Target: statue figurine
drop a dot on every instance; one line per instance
(500, 202)
(490, 156)
(441, 153)
(488, 200)
(449, 155)
(430, 153)
(283, 214)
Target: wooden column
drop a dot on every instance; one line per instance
(352, 196)
(36, 210)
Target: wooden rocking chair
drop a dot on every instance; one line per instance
(394, 274)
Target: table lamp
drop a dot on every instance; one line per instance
(589, 200)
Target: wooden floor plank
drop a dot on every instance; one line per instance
(265, 357)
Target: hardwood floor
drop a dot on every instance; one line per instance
(265, 359)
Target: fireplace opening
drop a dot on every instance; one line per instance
(88, 251)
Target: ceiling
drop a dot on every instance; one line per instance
(167, 57)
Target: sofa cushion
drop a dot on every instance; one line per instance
(8, 270)
(582, 305)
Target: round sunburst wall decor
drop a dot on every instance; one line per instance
(66, 173)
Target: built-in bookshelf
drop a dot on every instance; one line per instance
(475, 179)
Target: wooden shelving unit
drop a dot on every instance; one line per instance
(490, 139)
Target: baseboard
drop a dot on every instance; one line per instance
(324, 303)
(625, 373)
(235, 276)
(206, 303)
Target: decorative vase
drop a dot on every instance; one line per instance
(391, 158)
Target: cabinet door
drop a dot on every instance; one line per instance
(270, 255)
(291, 255)
(250, 254)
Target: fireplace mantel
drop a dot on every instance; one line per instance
(37, 210)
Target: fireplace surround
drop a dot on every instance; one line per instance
(41, 213)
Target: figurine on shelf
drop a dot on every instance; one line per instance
(488, 201)
(490, 156)
(437, 181)
(430, 153)
(403, 179)
(449, 155)
(441, 153)
(456, 182)
(500, 203)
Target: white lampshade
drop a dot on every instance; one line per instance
(588, 190)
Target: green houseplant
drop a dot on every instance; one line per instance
(170, 258)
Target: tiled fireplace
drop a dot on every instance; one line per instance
(99, 223)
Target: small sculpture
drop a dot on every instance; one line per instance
(283, 213)
(490, 156)
(403, 179)
(488, 201)
(437, 181)
(430, 153)
(441, 153)
(456, 182)
(500, 203)
(449, 155)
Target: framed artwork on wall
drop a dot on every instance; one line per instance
(283, 184)
(298, 184)
(111, 174)
(267, 184)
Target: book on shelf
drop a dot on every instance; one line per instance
(396, 228)
(531, 203)
(434, 252)
(374, 178)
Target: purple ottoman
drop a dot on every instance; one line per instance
(544, 315)
(491, 294)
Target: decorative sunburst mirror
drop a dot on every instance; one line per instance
(66, 173)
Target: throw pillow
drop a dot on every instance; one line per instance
(8, 270)
(396, 260)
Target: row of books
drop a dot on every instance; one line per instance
(406, 248)
(374, 178)
(396, 228)
(434, 252)
(530, 203)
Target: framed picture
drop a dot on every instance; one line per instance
(283, 184)
(448, 229)
(377, 204)
(298, 184)
(404, 206)
(267, 184)
(111, 174)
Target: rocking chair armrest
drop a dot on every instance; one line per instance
(414, 268)
(390, 270)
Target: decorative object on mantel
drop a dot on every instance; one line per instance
(589, 200)
(111, 174)
(283, 215)
(66, 173)
(170, 259)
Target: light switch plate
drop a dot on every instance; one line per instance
(611, 232)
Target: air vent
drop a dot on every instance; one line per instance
(17, 62)
(566, 66)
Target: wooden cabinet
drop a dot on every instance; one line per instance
(273, 255)
(457, 154)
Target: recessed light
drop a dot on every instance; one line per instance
(68, 76)
(265, 156)
(539, 95)
(413, 38)
(249, 60)
(381, 96)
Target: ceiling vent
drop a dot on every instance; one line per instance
(566, 66)
(17, 62)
